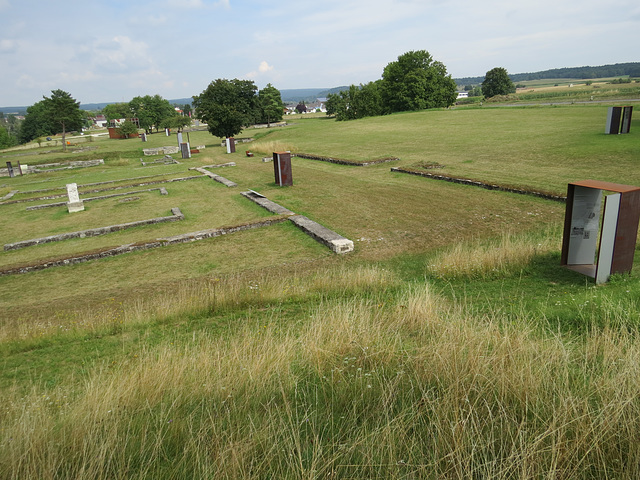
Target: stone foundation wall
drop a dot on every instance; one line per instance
(161, 242)
(488, 186)
(176, 215)
(341, 161)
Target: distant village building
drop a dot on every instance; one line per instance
(463, 95)
(317, 106)
(100, 121)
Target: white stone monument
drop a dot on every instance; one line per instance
(74, 204)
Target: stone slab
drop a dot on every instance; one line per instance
(267, 204)
(322, 234)
(9, 195)
(72, 193)
(217, 178)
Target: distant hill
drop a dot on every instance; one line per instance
(583, 73)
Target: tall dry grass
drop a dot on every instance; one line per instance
(365, 388)
(506, 255)
(267, 147)
(202, 296)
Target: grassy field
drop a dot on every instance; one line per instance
(449, 344)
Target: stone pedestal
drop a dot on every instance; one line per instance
(74, 204)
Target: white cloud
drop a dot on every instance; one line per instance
(196, 4)
(265, 67)
(185, 3)
(118, 54)
(8, 46)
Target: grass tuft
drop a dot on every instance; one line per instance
(502, 257)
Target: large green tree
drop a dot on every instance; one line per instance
(227, 106)
(270, 104)
(176, 122)
(415, 82)
(5, 139)
(64, 113)
(116, 111)
(37, 123)
(497, 82)
(150, 111)
(356, 102)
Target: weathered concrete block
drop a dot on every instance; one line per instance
(322, 234)
(170, 150)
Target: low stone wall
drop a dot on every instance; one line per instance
(321, 234)
(219, 165)
(51, 167)
(161, 151)
(90, 199)
(267, 204)
(176, 215)
(217, 178)
(96, 183)
(98, 190)
(166, 160)
(67, 166)
(488, 186)
(341, 161)
(161, 242)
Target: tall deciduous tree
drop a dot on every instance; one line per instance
(128, 128)
(150, 111)
(356, 102)
(64, 112)
(177, 122)
(497, 82)
(415, 82)
(271, 106)
(37, 123)
(227, 106)
(116, 111)
(5, 139)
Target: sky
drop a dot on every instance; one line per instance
(113, 50)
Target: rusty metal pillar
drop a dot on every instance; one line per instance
(626, 119)
(282, 169)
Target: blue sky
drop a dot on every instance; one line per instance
(111, 51)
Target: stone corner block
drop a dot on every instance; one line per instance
(342, 245)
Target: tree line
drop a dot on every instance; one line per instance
(631, 69)
(415, 81)
(227, 106)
